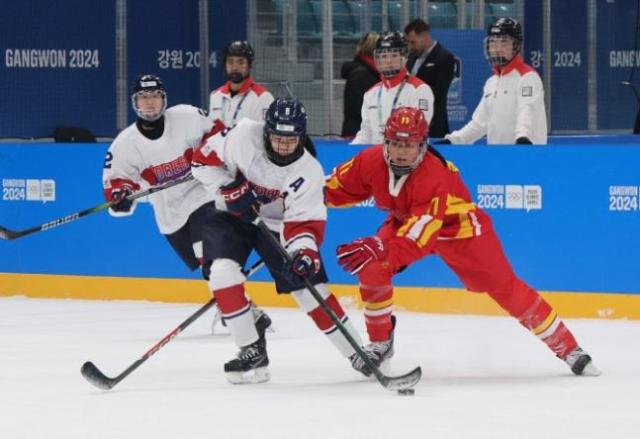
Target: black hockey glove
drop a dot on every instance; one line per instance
(304, 263)
(119, 201)
(523, 141)
(442, 142)
(240, 199)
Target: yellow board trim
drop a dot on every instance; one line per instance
(417, 299)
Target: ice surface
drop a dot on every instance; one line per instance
(483, 377)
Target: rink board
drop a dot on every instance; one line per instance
(429, 300)
(568, 217)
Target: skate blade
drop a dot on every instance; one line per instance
(254, 376)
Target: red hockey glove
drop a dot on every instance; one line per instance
(119, 193)
(240, 199)
(354, 256)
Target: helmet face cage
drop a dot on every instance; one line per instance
(148, 84)
(405, 125)
(382, 59)
(503, 30)
(285, 117)
(390, 43)
(401, 170)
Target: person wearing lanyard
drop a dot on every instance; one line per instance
(430, 61)
(240, 96)
(397, 88)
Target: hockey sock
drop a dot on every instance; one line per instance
(323, 321)
(237, 314)
(378, 305)
(544, 323)
(534, 313)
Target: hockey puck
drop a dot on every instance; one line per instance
(406, 392)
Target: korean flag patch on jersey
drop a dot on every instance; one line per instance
(423, 104)
(527, 91)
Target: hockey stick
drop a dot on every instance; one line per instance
(14, 234)
(402, 382)
(91, 372)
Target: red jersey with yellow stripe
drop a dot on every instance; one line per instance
(430, 203)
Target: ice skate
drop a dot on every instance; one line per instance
(250, 365)
(581, 363)
(378, 352)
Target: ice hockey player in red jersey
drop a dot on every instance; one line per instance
(263, 170)
(431, 212)
(158, 148)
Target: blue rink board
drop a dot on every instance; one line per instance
(582, 239)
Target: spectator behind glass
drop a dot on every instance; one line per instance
(361, 75)
(431, 62)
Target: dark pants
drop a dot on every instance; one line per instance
(225, 236)
(182, 240)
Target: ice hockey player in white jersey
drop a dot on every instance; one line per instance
(264, 170)
(240, 96)
(158, 148)
(397, 88)
(511, 109)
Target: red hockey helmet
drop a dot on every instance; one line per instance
(406, 124)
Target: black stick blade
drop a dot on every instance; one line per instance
(96, 377)
(6, 233)
(404, 381)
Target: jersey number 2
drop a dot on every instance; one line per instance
(107, 160)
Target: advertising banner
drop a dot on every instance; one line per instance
(568, 216)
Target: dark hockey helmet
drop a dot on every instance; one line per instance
(406, 124)
(503, 28)
(148, 84)
(285, 117)
(239, 48)
(390, 42)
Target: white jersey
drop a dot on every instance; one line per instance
(134, 158)
(512, 106)
(403, 90)
(291, 197)
(251, 101)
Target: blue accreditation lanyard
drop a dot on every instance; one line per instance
(235, 113)
(383, 122)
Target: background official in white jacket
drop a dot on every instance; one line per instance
(397, 88)
(512, 106)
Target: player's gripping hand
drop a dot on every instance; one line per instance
(119, 200)
(356, 255)
(304, 263)
(240, 199)
(117, 194)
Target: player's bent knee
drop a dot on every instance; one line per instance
(224, 273)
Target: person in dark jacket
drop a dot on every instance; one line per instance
(435, 65)
(361, 75)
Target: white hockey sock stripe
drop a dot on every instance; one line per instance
(242, 327)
